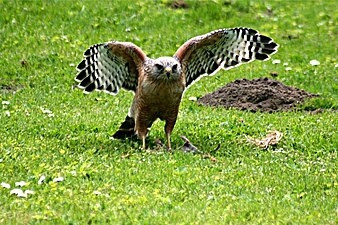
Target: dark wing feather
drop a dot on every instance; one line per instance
(110, 66)
(222, 49)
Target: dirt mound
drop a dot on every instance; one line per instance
(261, 94)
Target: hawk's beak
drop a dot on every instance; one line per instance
(167, 71)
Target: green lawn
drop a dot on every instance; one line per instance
(48, 129)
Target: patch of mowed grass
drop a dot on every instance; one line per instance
(48, 129)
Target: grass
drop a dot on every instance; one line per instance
(115, 182)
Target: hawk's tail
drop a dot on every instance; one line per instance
(126, 129)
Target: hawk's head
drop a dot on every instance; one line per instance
(165, 68)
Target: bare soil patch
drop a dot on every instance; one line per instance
(261, 94)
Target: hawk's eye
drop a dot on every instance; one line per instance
(174, 68)
(159, 67)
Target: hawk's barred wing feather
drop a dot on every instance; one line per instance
(110, 66)
(222, 49)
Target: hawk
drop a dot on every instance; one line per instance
(159, 83)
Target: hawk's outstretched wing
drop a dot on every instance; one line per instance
(110, 66)
(222, 49)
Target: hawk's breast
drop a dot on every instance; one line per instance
(159, 98)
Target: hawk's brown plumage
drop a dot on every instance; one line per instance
(158, 84)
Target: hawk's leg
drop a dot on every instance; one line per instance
(141, 131)
(142, 135)
(144, 142)
(169, 126)
(168, 141)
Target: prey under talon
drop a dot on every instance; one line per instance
(189, 147)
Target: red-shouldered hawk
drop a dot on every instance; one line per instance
(159, 84)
